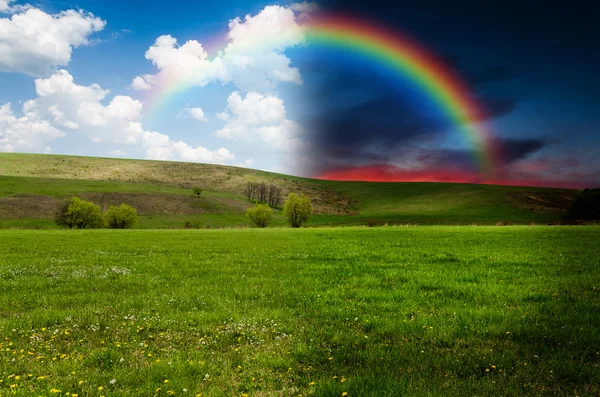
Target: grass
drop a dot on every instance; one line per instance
(31, 186)
(416, 311)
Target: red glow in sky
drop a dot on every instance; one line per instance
(388, 173)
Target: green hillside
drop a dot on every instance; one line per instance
(31, 186)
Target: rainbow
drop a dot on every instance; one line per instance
(409, 59)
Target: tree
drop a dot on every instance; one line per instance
(60, 217)
(122, 217)
(83, 214)
(260, 216)
(585, 206)
(297, 209)
(263, 193)
(197, 191)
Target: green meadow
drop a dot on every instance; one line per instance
(385, 311)
(33, 186)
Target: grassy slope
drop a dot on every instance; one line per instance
(391, 311)
(223, 204)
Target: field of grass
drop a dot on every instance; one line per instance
(393, 311)
(32, 186)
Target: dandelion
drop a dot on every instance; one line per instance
(100, 388)
(311, 384)
(171, 392)
(81, 382)
(113, 381)
(166, 381)
(54, 391)
(158, 389)
(344, 394)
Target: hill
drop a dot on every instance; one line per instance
(31, 186)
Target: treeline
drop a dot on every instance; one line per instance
(263, 193)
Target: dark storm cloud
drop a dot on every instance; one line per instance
(492, 74)
(517, 149)
(517, 64)
(493, 108)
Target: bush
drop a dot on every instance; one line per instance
(260, 216)
(60, 217)
(371, 223)
(586, 206)
(197, 191)
(82, 214)
(121, 217)
(297, 209)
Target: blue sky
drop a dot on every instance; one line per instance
(112, 54)
(79, 78)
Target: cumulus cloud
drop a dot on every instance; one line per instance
(71, 106)
(260, 118)
(195, 113)
(7, 8)
(25, 134)
(35, 43)
(253, 59)
(62, 107)
(161, 147)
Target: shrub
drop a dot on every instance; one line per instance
(60, 217)
(83, 214)
(197, 191)
(586, 206)
(260, 216)
(297, 209)
(121, 217)
(371, 223)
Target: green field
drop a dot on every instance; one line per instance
(414, 311)
(33, 186)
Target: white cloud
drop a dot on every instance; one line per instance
(140, 84)
(7, 8)
(63, 106)
(196, 114)
(248, 163)
(35, 43)
(305, 7)
(189, 61)
(25, 134)
(161, 147)
(81, 108)
(223, 116)
(118, 153)
(260, 118)
(253, 59)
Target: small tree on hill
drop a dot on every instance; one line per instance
(197, 191)
(122, 217)
(297, 209)
(83, 214)
(260, 216)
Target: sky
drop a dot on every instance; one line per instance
(241, 83)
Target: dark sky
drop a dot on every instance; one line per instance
(532, 65)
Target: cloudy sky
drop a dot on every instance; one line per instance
(238, 82)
